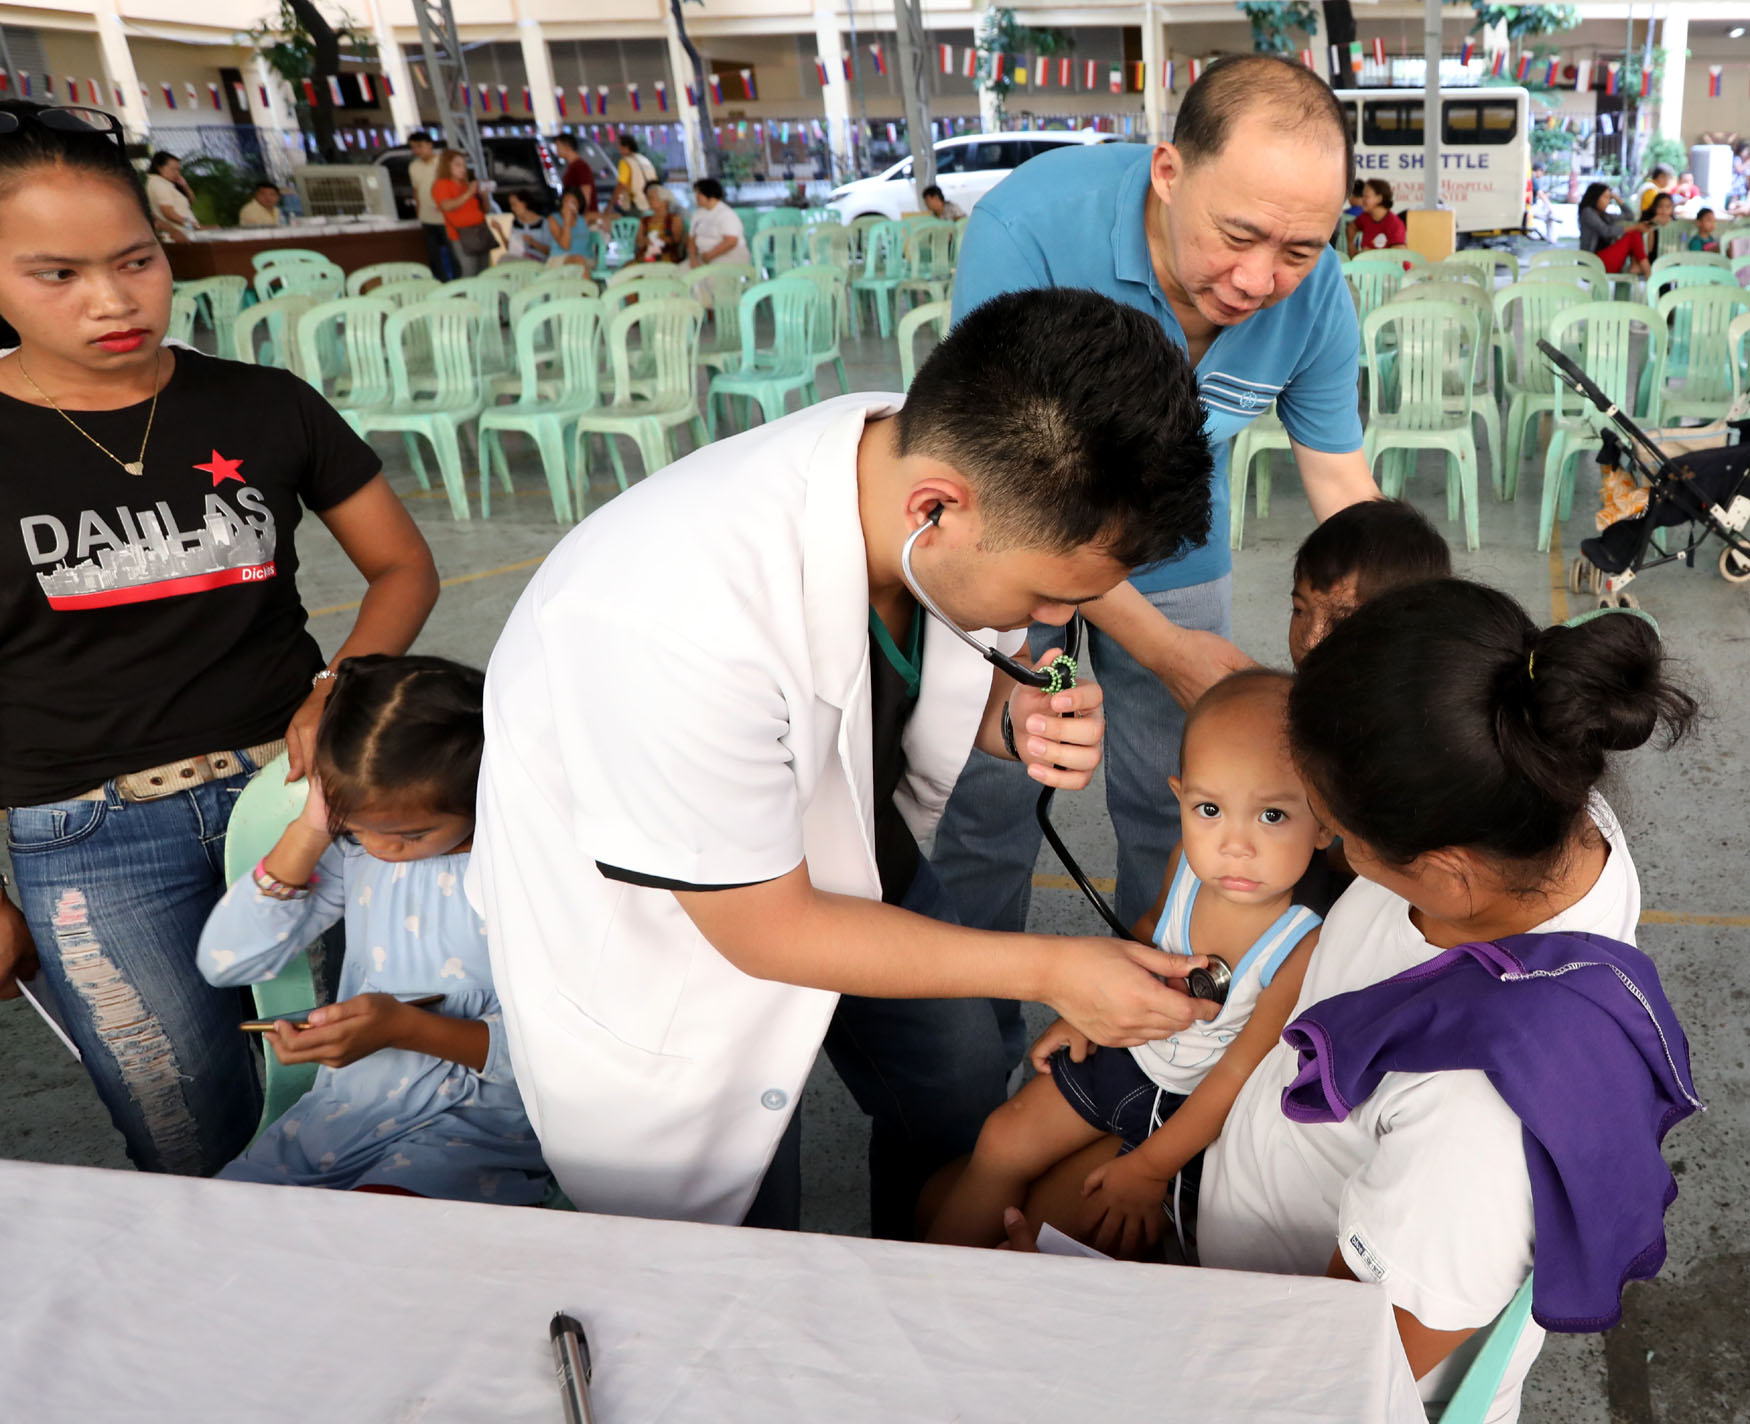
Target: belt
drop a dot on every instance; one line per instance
(160, 781)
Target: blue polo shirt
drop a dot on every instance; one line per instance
(1074, 218)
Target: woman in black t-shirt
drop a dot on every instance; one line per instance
(153, 649)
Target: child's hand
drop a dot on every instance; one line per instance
(1125, 1199)
(343, 1033)
(1061, 1034)
(315, 812)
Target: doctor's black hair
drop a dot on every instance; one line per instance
(1282, 91)
(1443, 716)
(89, 153)
(406, 729)
(1076, 422)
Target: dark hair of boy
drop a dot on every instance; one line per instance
(933, 191)
(1445, 717)
(1381, 543)
(87, 151)
(407, 728)
(708, 188)
(1704, 213)
(1074, 419)
(418, 136)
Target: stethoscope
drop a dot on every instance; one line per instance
(1059, 674)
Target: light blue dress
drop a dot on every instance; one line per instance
(394, 1118)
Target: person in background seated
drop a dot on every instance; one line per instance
(569, 235)
(1378, 227)
(407, 1100)
(662, 232)
(263, 209)
(528, 233)
(1685, 190)
(169, 195)
(1661, 180)
(1655, 218)
(717, 234)
(1703, 239)
(939, 206)
(1617, 244)
(1355, 207)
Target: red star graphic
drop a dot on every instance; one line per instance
(221, 469)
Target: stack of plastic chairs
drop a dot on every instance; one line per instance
(717, 286)
(860, 228)
(830, 243)
(778, 248)
(1603, 339)
(1482, 406)
(1432, 340)
(278, 319)
(882, 272)
(557, 357)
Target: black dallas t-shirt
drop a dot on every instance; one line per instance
(148, 618)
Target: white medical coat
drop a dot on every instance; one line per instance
(682, 692)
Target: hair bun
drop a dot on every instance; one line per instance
(1598, 685)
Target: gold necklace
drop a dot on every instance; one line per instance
(133, 467)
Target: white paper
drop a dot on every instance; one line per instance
(1053, 1242)
(44, 1003)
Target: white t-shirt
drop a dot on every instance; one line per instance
(711, 225)
(422, 173)
(168, 201)
(1424, 1184)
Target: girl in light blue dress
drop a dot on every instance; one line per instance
(406, 1099)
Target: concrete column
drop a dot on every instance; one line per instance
(118, 68)
(680, 82)
(1154, 68)
(1674, 39)
(538, 66)
(403, 103)
(837, 94)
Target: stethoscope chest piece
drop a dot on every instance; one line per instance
(1212, 982)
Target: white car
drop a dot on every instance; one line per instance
(967, 167)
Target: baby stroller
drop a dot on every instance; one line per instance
(1701, 481)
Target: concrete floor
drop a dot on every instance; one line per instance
(1683, 1351)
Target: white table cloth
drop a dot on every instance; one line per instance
(160, 1298)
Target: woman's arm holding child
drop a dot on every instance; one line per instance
(1126, 1193)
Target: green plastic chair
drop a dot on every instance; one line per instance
(1376, 277)
(1434, 342)
(1256, 440)
(646, 411)
(561, 334)
(750, 220)
(342, 352)
(1563, 257)
(1705, 366)
(821, 217)
(275, 255)
(320, 279)
(883, 271)
(1689, 259)
(1603, 338)
(778, 249)
(830, 243)
(669, 285)
(553, 286)
(489, 297)
(832, 285)
(1492, 261)
(959, 226)
(259, 817)
(859, 229)
(623, 235)
(767, 376)
(1475, 296)
(1738, 344)
(1475, 1396)
(384, 274)
(445, 403)
(1677, 277)
(1523, 313)
(910, 324)
(278, 320)
(219, 300)
(184, 308)
(644, 272)
(777, 217)
(929, 260)
(717, 287)
(1451, 270)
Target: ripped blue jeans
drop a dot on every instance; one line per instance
(116, 894)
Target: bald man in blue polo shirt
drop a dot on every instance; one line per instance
(1224, 237)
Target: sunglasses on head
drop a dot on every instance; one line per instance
(68, 120)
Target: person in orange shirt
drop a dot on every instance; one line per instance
(458, 198)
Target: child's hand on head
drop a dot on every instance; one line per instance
(1061, 1034)
(342, 1033)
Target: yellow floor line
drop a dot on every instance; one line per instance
(1558, 580)
(1648, 917)
(446, 583)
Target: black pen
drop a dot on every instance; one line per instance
(572, 1366)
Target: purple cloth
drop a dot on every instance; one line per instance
(1575, 1033)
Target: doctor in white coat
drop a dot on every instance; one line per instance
(718, 723)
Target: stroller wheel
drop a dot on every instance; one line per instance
(1734, 567)
(1577, 572)
(1618, 600)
